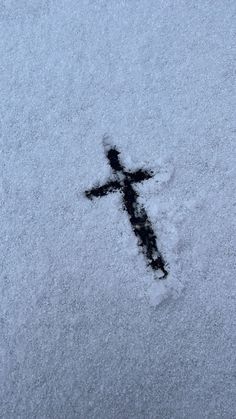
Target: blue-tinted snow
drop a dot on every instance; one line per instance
(86, 332)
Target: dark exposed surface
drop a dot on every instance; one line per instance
(139, 220)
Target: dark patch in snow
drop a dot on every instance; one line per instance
(140, 222)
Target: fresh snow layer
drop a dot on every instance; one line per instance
(87, 329)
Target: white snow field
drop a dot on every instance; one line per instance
(86, 328)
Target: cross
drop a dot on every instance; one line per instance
(123, 181)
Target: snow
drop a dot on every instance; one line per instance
(87, 330)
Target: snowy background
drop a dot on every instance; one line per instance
(85, 329)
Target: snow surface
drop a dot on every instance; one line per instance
(86, 330)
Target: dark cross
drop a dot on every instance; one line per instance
(123, 181)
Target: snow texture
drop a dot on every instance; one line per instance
(87, 330)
